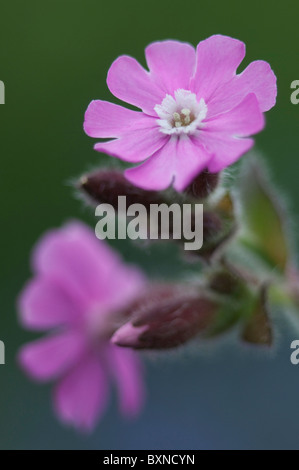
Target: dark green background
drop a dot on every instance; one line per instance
(54, 56)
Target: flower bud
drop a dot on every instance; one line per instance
(223, 282)
(203, 185)
(258, 329)
(166, 317)
(104, 186)
(219, 227)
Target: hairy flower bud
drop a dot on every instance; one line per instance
(258, 328)
(166, 317)
(104, 186)
(203, 185)
(219, 226)
(223, 282)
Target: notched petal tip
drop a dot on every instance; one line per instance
(130, 82)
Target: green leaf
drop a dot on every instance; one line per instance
(263, 217)
(235, 301)
(225, 319)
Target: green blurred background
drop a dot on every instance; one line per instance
(54, 56)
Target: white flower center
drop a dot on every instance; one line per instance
(181, 114)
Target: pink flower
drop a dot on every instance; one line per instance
(78, 288)
(196, 112)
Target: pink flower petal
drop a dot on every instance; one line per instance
(127, 283)
(131, 83)
(226, 150)
(220, 135)
(73, 255)
(179, 161)
(243, 120)
(50, 357)
(257, 78)
(81, 396)
(135, 146)
(191, 159)
(158, 171)
(44, 304)
(107, 120)
(217, 60)
(127, 371)
(171, 64)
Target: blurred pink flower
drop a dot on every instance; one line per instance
(196, 112)
(78, 288)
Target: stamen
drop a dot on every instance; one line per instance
(181, 113)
